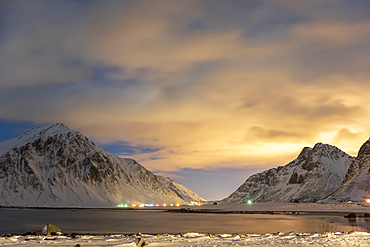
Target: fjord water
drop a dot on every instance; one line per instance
(104, 221)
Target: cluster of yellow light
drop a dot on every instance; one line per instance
(368, 200)
(150, 205)
(193, 203)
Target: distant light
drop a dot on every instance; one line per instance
(157, 205)
(368, 200)
(171, 205)
(178, 205)
(164, 205)
(133, 205)
(249, 201)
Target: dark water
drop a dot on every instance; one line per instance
(96, 221)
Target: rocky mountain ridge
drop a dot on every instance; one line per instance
(57, 166)
(314, 174)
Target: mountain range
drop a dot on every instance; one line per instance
(316, 173)
(57, 166)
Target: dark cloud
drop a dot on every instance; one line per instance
(316, 109)
(127, 149)
(328, 47)
(262, 134)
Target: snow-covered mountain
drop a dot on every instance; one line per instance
(57, 166)
(181, 191)
(313, 175)
(356, 184)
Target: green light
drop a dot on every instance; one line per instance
(249, 201)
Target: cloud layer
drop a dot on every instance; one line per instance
(191, 83)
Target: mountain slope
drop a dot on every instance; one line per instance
(313, 175)
(181, 191)
(56, 166)
(356, 185)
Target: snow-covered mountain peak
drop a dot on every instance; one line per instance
(56, 166)
(320, 150)
(329, 156)
(314, 174)
(34, 134)
(46, 131)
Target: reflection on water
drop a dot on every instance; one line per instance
(352, 222)
(156, 221)
(360, 222)
(367, 224)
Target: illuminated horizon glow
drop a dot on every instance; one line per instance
(182, 85)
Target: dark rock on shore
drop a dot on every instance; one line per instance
(351, 216)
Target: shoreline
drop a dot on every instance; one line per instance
(271, 212)
(333, 209)
(206, 211)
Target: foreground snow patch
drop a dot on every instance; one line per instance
(197, 239)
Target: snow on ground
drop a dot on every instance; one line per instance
(195, 239)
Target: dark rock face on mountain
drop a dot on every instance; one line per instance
(57, 166)
(356, 184)
(313, 175)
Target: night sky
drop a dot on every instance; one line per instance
(206, 92)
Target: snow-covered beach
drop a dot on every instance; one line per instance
(196, 239)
